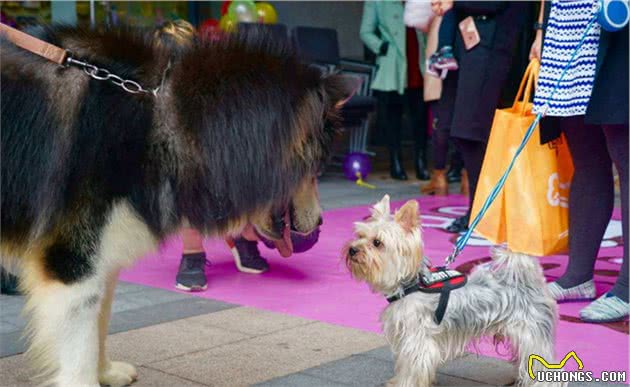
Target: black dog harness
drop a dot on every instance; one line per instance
(436, 280)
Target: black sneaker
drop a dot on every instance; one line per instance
(454, 175)
(191, 276)
(8, 283)
(459, 225)
(247, 257)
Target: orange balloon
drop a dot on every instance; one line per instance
(266, 13)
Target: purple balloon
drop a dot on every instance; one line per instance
(356, 162)
(301, 243)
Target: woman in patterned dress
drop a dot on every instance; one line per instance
(590, 106)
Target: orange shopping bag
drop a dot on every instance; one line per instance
(531, 214)
(508, 124)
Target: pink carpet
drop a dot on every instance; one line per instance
(316, 285)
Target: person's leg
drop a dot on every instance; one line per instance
(417, 118)
(614, 305)
(617, 141)
(472, 154)
(591, 201)
(191, 275)
(455, 167)
(443, 111)
(439, 139)
(390, 116)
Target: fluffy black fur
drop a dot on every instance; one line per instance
(236, 127)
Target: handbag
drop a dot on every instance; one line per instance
(531, 214)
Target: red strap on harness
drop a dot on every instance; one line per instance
(439, 277)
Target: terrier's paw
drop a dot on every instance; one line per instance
(118, 374)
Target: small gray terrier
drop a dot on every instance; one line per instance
(506, 300)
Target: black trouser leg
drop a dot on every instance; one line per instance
(417, 114)
(390, 109)
(472, 154)
(440, 147)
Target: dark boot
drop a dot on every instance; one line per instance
(421, 165)
(396, 169)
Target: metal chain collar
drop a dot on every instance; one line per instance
(102, 74)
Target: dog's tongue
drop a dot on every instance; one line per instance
(285, 245)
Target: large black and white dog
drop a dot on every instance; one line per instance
(94, 177)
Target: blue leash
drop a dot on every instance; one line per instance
(463, 240)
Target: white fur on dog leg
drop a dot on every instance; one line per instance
(118, 374)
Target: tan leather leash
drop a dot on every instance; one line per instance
(34, 45)
(64, 58)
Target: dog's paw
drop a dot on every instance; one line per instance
(118, 374)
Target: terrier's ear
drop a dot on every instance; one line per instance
(407, 215)
(381, 209)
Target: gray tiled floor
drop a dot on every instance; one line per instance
(372, 368)
(376, 367)
(134, 307)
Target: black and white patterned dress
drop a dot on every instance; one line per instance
(567, 22)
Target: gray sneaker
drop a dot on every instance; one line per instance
(191, 276)
(247, 257)
(607, 308)
(581, 292)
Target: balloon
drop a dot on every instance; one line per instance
(242, 11)
(227, 23)
(613, 15)
(356, 166)
(266, 13)
(225, 6)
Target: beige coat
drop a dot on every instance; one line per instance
(432, 85)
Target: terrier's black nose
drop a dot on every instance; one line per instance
(352, 251)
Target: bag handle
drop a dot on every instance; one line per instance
(530, 78)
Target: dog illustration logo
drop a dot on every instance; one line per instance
(557, 191)
(549, 366)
